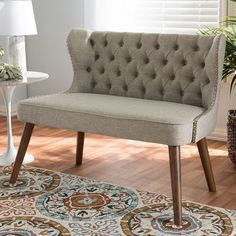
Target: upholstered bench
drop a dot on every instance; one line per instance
(151, 87)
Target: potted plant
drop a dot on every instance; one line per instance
(228, 28)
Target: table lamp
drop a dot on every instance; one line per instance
(16, 21)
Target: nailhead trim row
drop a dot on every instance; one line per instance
(212, 97)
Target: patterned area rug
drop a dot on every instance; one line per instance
(47, 203)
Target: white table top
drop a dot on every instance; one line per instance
(30, 78)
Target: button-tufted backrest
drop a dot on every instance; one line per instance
(175, 68)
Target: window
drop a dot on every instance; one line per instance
(163, 16)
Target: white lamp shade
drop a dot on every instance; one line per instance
(17, 18)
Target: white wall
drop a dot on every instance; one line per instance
(231, 8)
(47, 51)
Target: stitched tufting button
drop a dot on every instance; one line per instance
(96, 57)
(118, 73)
(184, 62)
(125, 87)
(192, 78)
(121, 43)
(105, 43)
(136, 74)
(88, 69)
(157, 46)
(196, 48)
(153, 75)
(172, 77)
(176, 47)
(128, 59)
(93, 84)
(164, 62)
(91, 42)
(102, 71)
(146, 60)
(108, 85)
(112, 58)
(139, 45)
(203, 64)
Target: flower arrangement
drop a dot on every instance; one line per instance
(7, 71)
(10, 72)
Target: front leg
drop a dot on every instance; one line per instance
(175, 174)
(21, 152)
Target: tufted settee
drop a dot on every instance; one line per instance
(149, 87)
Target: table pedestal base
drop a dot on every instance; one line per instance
(7, 89)
(9, 157)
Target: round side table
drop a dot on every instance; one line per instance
(7, 88)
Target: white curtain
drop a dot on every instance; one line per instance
(164, 16)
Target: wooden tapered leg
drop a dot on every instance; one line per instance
(21, 151)
(206, 163)
(79, 148)
(175, 173)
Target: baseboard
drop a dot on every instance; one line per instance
(218, 134)
(3, 110)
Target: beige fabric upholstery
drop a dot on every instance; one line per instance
(141, 119)
(152, 87)
(174, 68)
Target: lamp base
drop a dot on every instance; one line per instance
(17, 55)
(9, 157)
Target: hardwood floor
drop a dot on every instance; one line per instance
(130, 163)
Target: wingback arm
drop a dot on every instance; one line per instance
(200, 130)
(79, 52)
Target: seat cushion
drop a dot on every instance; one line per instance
(139, 119)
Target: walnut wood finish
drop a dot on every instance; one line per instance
(175, 173)
(206, 163)
(79, 148)
(130, 163)
(21, 151)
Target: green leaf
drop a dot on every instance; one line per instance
(233, 83)
(228, 29)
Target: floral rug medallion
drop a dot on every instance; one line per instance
(87, 201)
(47, 203)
